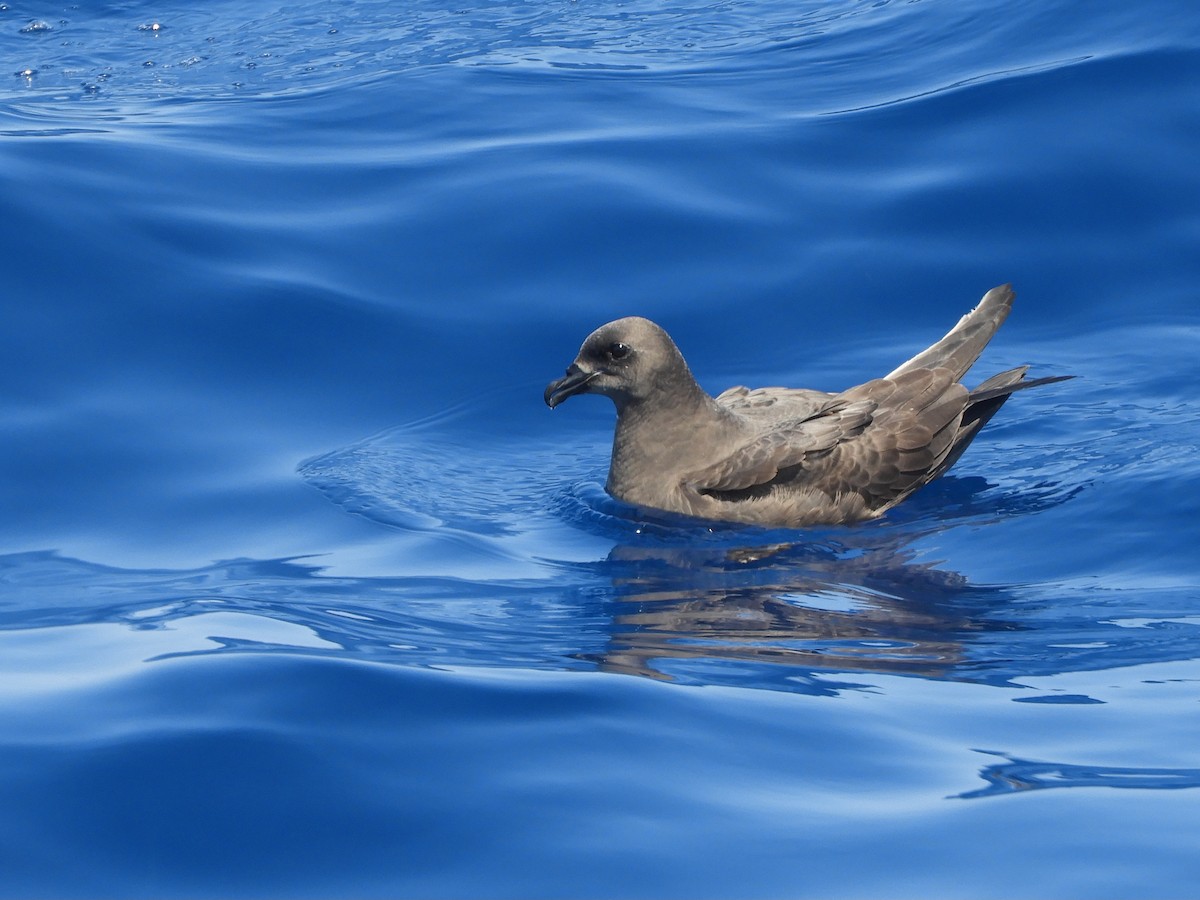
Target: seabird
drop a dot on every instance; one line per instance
(788, 457)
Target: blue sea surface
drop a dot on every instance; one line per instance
(305, 593)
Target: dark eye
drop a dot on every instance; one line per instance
(617, 350)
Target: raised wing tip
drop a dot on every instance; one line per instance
(1003, 293)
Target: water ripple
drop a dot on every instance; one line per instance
(1020, 775)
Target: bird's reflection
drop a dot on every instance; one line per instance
(859, 599)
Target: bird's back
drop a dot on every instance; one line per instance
(773, 404)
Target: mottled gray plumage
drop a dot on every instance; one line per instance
(786, 456)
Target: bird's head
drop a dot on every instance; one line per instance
(628, 360)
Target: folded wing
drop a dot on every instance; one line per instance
(875, 444)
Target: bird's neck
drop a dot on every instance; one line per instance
(653, 437)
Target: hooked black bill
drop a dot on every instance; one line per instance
(574, 382)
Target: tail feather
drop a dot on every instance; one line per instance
(987, 391)
(984, 402)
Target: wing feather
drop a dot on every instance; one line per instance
(878, 442)
(786, 446)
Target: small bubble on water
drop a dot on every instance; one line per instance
(36, 26)
(148, 63)
(333, 31)
(89, 88)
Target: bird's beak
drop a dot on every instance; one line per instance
(574, 382)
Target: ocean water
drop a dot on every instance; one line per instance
(304, 593)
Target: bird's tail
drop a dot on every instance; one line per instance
(984, 402)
